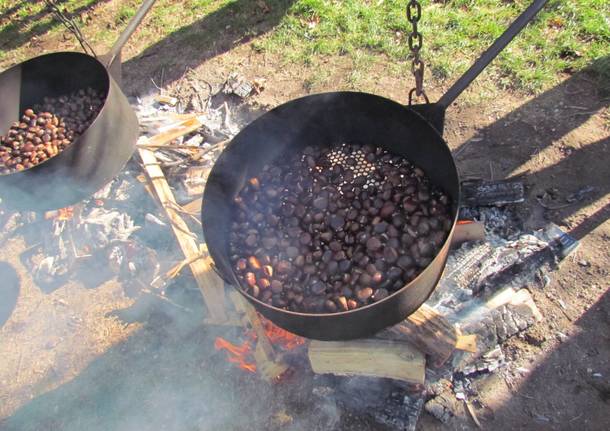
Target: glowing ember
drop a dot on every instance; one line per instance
(60, 214)
(280, 337)
(242, 354)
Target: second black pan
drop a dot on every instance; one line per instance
(96, 156)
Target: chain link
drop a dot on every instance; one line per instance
(415, 41)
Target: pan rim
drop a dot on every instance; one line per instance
(446, 244)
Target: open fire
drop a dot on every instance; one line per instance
(60, 214)
(242, 354)
(106, 226)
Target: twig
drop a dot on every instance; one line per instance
(173, 272)
(170, 146)
(554, 208)
(155, 84)
(575, 114)
(558, 305)
(146, 290)
(473, 414)
(179, 209)
(219, 145)
(189, 233)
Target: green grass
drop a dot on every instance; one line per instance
(30, 18)
(566, 37)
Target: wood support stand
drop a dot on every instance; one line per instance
(211, 286)
(398, 352)
(269, 363)
(428, 331)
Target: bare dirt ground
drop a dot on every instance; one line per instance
(89, 358)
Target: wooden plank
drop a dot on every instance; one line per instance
(268, 362)
(194, 206)
(241, 305)
(428, 331)
(211, 286)
(467, 343)
(186, 125)
(373, 358)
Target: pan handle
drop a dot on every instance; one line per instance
(509, 34)
(126, 34)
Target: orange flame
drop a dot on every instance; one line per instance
(242, 354)
(60, 214)
(237, 354)
(65, 213)
(280, 337)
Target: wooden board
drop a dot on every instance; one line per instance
(269, 363)
(428, 331)
(373, 358)
(211, 286)
(194, 206)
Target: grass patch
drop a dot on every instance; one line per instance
(565, 37)
(126, 11)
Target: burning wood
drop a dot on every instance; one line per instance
(243, 354)
(60, 214)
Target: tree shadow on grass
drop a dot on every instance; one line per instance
(14, 35)
(188, 47)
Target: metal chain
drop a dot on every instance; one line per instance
(415, 44)
(71, 25)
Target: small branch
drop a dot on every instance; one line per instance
(554, 208)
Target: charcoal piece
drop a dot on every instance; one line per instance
(501, 329)
(400, 412)
(511, 326)
(443, 407)
(488, 193)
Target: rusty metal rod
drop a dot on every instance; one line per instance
(131, 27)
